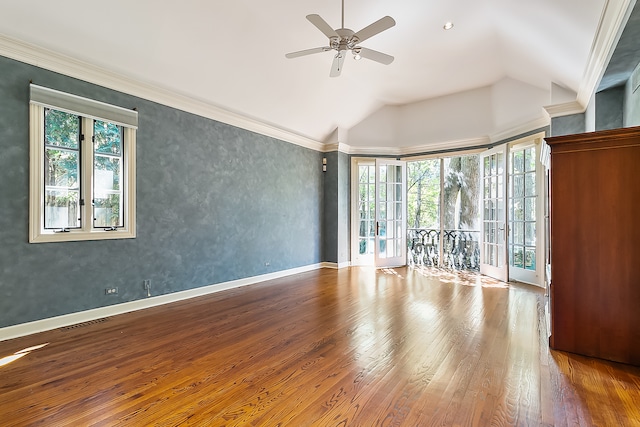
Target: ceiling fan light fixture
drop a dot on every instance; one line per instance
(343, 40)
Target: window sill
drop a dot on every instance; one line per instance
(76, 236)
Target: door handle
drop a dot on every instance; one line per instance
(377, 228)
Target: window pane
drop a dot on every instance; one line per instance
(61, 129)
(107, 211)
(62, 209)
(107, 174)
(62, 199)
(62, 168)
(107, 138)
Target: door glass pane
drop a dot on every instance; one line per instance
(529, 209)
(518, 186)
(530, 233)
(530, 259)
(383, 211)
(382, 251)
(366, 207)
(362, 246)
(518, 210)
(493, 210)
(518, 162)
(383, 174)
(530, 184)
(523, 198)
(530, 159)
(518, 233)
(518, 256)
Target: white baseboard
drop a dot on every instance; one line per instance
(336, 266)
(34, 327)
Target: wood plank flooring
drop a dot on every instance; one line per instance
(354, 347)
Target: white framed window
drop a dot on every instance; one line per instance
(82, 168)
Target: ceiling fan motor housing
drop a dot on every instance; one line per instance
(346, 41)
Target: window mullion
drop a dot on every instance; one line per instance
(87, 174)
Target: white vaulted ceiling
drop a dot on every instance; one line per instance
(491, 73)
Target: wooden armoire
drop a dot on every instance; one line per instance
(595, 244)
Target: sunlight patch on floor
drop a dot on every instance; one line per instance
(465, 278)
(18, 354)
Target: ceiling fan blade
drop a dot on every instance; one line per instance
(336, 67)
(307, 52)
(377, 27)
(374, 55)
(322, 25)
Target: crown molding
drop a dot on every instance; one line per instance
(415, 149)
(63, 64)
(614, 16)
(564, 109)
(523, 128)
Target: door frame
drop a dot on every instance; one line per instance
(371, 259)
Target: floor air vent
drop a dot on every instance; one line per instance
(83, 324)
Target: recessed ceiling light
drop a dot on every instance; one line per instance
(448, 25)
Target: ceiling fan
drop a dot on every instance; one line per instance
(343, 39)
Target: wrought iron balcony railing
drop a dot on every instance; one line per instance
(460, 248)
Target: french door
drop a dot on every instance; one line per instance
(526, 235)
(512, 212)
(379, 195)
(493, 249)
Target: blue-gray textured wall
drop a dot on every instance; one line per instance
(214, 203)
(632, 99)
(330, 208)
(336, 221)
(568, 125)
(609, 108)
(344, 208)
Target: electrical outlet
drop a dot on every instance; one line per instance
(111, 291)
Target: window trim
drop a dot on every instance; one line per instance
(37, 231)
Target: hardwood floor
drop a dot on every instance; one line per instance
(354, 347)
